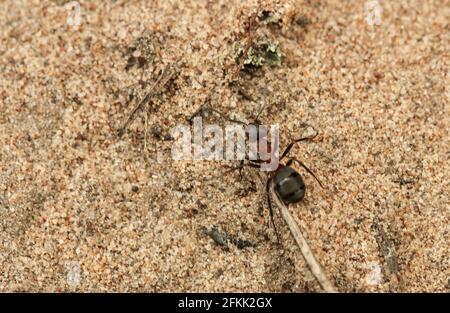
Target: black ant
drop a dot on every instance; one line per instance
(288, 183)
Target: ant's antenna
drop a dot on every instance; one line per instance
(261, 108)
(224, 116)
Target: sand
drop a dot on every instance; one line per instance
(82, 209)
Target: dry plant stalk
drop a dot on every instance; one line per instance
(307, 253)
(164, 77)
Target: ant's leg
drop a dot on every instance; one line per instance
(242, 165)
(271, 209)
(289, 147)
(252, 163)
(307, 169)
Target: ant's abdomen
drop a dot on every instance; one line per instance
(289, 185)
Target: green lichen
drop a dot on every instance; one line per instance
(238, 50)
(253, 58)
(259, 54)
(273, 55)
(269, 17)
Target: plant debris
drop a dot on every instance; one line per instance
(222, 239)
(271, 18)
(259, 54)
(387, 251)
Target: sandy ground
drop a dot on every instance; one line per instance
(84, 210)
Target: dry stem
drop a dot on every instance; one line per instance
(307, 253)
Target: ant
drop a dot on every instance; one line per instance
(289, 185)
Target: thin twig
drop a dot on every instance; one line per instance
(307, 253)
(166, 75)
